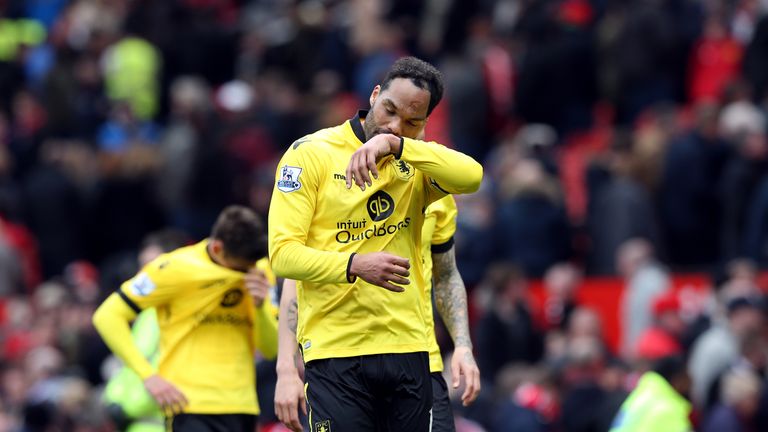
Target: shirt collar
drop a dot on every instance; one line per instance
(357, 125)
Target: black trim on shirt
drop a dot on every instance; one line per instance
(357, 126)
(442, 247)
(435, 184)
(399, 154)
(350, 278)
(129, 302)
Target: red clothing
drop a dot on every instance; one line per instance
(714, 63)
(656, 343)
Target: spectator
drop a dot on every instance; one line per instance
(739, 402)
(505, 333)
(531, 225)
(644, 279)
(718, 347)
(561, 283)
(659, 402)
(620, 209)
(662, 339)
(689, 209)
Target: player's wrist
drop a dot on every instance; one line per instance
(396, 144)
(351, 269)
(286, 368)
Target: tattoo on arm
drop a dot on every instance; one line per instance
(451, 297)
(293, 315)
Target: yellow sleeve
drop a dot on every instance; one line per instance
(445, 223)
(265, 329)
(447, 170)
(112, 321)
(290, 215)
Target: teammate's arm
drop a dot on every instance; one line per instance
(450, 171)
(451, 304)
(289, 390)
(265, 325)
(112, 320)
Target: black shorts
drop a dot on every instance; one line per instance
(213, 423)
(442, 414)
(382, 392)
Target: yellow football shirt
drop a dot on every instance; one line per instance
(436, 237)
(209, 328)
(316, 224)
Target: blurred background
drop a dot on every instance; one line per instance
(623, 215)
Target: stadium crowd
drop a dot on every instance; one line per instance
(623, 138)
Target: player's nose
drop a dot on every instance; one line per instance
(395, 127)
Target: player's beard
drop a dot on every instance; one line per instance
(370, 127)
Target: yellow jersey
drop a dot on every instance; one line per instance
(436, 237)
(316, 225)
(209, 328)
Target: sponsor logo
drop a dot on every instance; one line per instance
(323, 426)
(340, 177)
(307, 345)
(289, 179)
(232, 297)
(380, 206)
(402, 169)
(345, 235)
(142, 285)
(350, 224)
(227, 319)
(215, 283)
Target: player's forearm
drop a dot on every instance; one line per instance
(266, 330)
(287, 324)
(451, 297)
(292, 260)
(454, 172)
(112, 321)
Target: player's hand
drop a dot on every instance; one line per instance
(289, 395)
(362, 164)
(170, 398)
(258, 286)
(463, 364)
(382, 269)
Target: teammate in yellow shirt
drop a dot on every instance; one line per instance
(361, 303)
(451, 301)
(214, 313)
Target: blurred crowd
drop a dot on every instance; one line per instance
(619, 137)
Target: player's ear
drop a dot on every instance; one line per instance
(374, 94)
(217, 247)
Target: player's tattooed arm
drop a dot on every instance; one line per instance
(451, 297)
(293, 315)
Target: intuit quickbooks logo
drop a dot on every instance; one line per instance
(346, 236)
(380, 206)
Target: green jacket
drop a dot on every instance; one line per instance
(653, 406)
(127, 390)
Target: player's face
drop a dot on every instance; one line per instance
(400, 110)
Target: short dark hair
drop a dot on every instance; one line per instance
(670, 367)
(241, 232)
(422, 74)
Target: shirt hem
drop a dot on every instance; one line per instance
(356, 351)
